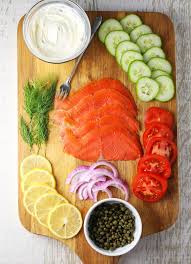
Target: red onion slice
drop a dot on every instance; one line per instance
(115, 183)
(74, 188)
(86, 176)
(78, 170)
(91, 185)
(81, 194)
(94, 174)
(95, 194)
(85, 194)
(107, 164)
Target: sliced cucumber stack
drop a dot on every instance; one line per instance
(158, 73)
(153, 52)
(148, 41)
(108, 26)
(147, 89)
(128, 57)
(166, 89)
(130, 22)
(114, 38)
(123, 47)
(160, 64)
(139, 31)
(138, 69)
(140, 56)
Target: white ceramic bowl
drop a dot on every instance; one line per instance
(121, 250)
(69, 4)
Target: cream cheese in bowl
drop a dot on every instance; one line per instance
(56, 31)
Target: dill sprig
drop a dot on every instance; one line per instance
(38, 101)
(40, 129)
(46, 98)
(26, 132)
(31, 95)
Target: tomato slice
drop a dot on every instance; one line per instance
(149, 187)
(155, 164)
(157, 114)
(163, 147)
(157, 130)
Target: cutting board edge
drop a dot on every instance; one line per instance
(175, 217)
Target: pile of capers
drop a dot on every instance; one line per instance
(111, 225)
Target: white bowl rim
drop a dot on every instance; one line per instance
(118, 251)
(38, 55)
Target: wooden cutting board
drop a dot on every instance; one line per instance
(97, 63)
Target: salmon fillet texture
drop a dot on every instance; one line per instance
(99, 121)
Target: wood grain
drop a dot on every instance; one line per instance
(163, 214)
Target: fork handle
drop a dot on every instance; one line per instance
(95, 26)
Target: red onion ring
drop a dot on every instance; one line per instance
(95, 194)
(115, 183)
(76, 171)
(107, 164)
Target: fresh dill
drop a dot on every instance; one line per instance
(40, 128)
(38, 101)
(26, 133)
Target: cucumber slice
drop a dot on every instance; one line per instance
(139, 31)
(158, 73)
(148, 41)
(128, 57)
(160, 64)
(147, 89)
(123, 47)
(153, 53)
(166, 89)
(130, 22)
(138, 69)
(108, 26)
(114, 38)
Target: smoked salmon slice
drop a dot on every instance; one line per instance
(113, 110)
(91, 89)
(91, 124)
(98, 100)
(99, 121)
(100, 140)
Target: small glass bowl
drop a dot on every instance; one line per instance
(121, 250)
(36, 8)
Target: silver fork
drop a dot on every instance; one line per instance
(66, 87)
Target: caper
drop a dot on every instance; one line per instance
(111, 226)
(118, 243)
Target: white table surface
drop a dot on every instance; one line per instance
(17, 246)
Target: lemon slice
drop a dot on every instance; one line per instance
(65, 221)
(45, 204)
(38, 177)
(32, 194)
(32, 162)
